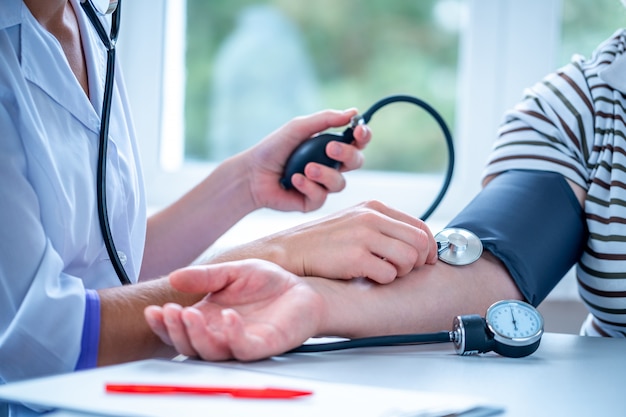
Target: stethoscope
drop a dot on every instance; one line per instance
(95, 9)
(511, 328)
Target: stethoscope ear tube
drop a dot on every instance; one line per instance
(102, 7)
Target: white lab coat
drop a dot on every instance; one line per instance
(51, 247)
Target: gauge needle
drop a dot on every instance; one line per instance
(513, 317)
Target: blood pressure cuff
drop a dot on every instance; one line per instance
(533, 223)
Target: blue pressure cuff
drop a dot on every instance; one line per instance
(91, 332)
(533, 223)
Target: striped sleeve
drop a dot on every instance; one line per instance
(573, 123)
(549, 130)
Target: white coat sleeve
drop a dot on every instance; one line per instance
(41, 308)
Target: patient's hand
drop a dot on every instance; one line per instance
(369, 240)
(254, 309)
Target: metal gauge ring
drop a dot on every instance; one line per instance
(457, 246)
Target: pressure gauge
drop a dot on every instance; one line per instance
(510, 328)
(517, 328)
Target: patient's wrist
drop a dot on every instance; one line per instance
(341, 304)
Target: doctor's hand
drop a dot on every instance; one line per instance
(368, 240)
(254, 309)
(266, 161)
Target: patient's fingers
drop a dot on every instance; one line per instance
(172, 318)
(154, 318)
(244, 347)
(206, 340)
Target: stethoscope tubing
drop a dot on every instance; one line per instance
(109, 42)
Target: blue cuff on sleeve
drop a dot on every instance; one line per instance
(91, 332)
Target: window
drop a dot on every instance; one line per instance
(254, 64)
(585, 24)
(470, 59)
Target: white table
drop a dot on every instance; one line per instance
(567, 376)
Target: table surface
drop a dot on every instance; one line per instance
(568, 375)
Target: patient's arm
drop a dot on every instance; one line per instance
(257, 309)
(425, 300)
(234, 321)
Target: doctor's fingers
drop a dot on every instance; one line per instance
(362, 136)
(384, 259)
(399, 254)
(309, 125)
(398, 224)
(313, 192)
(329, 178)
(350, 155)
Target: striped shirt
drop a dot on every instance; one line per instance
(573, 123)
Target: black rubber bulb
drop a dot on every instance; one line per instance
(313, 150)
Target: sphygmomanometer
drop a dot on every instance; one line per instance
(510, 328)
(529, 220)
(533, 223)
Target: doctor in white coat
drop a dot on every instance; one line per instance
(62, 306)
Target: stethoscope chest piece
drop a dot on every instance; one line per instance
(458, 246)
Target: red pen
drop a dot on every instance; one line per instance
(236, 392)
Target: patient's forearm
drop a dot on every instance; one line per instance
(425, 300)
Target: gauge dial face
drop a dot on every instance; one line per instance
(514, 322)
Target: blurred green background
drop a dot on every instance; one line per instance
(363, 50)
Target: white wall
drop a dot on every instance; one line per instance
(508, 45)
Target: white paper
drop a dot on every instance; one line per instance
(85, 391)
